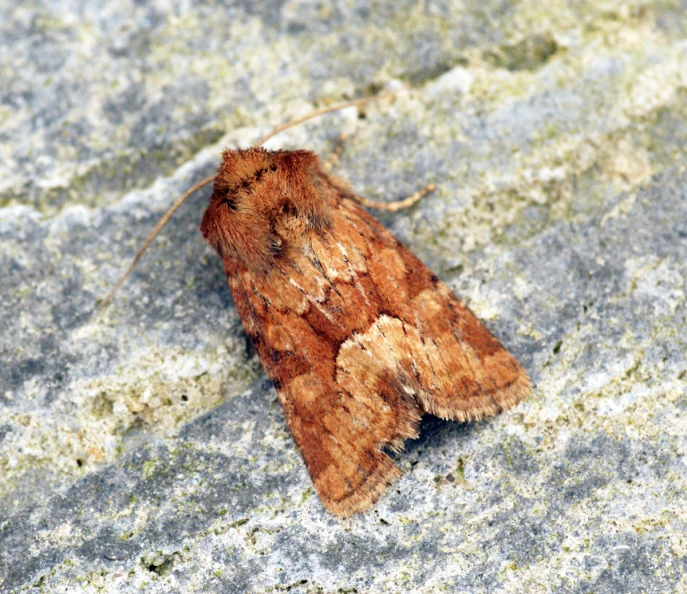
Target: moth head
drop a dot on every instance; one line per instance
(264, 204)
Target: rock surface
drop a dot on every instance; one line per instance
(143, 449)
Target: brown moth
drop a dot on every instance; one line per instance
(358, 336)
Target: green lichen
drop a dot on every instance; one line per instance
(148, 468)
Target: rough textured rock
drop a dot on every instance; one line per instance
(143, 449)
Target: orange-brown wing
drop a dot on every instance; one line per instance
(457, 368)
(360, 339)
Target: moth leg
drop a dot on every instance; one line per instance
(333, 159)
(396, 205)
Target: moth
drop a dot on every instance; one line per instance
(358, 336)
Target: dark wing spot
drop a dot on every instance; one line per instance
(288, 208)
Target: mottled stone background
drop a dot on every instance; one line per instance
(143, 449)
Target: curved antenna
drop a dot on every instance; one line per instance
(208, 180)
(323, 110)
(161, 223)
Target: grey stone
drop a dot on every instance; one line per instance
(142, 448)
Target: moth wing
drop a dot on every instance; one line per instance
(360, 338)
(455, 368)
(339, 425)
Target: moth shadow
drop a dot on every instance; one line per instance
(438, 433)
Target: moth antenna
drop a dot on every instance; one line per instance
(397, 204)
(206, 181)
(323, 110)
(161, 223)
